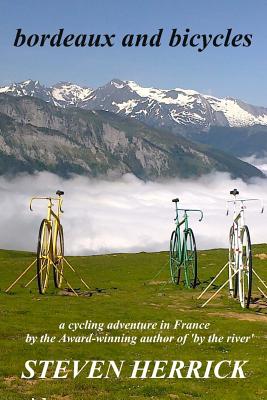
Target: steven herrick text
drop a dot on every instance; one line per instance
(139, 369)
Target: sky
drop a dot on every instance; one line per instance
(235, 72)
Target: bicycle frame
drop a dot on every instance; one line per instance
(52, 217)
(184, 221)
(239, 220)
(240, 267)
(182, 252)
(50, 248)
(238, 224)
(236, 251)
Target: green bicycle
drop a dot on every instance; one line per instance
(183, 252)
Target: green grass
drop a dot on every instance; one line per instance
(134, 291)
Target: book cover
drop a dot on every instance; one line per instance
(133, 142)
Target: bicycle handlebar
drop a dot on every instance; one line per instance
(191, 210)
(49, 199)
(244, 200)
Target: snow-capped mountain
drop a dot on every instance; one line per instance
(28, 88)
(67, 94)
(62, 94)
(178, 110)
(35, 135)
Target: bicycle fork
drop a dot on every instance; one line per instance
(238, 224)
(185, 258)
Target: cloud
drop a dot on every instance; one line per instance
(127, 215)
(260, 163)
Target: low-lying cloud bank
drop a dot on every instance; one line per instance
(260, 163)
(127, 215)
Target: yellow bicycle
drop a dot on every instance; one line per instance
(50, 247)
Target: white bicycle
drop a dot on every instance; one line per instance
(240, 253)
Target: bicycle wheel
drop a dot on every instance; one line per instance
(174, 258)
(190, 259)
(245, 272)
(43, 256)
(233, 264)
(58, 257)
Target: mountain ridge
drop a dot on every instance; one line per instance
(36, 135)
(178, 110)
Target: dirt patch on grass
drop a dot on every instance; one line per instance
(157, 282)
(10, 379)
(208, 294)
(241, 317)
(261, 256)
(259, 304)
(86, 293)
(15, 383)
(152, 304)
(177, 307)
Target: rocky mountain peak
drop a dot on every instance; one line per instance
(179, 110)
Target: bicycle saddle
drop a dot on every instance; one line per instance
(59, 192)
(234, 192)
(175, 200)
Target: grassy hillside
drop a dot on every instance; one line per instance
(134, 287)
